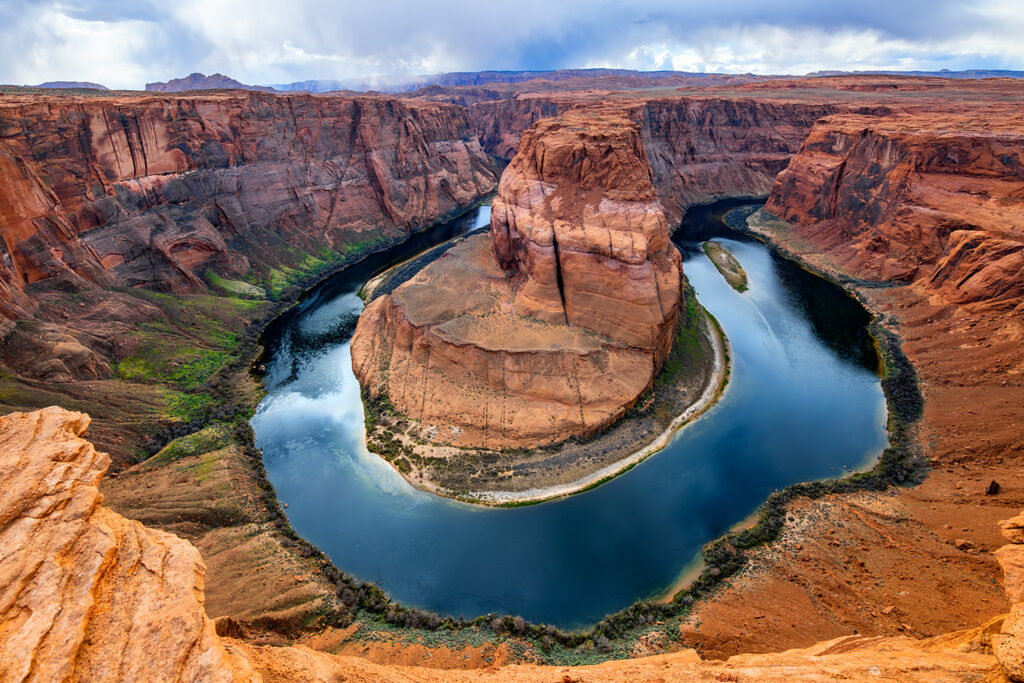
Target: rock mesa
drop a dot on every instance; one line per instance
(554, 323)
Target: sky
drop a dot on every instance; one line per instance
(127, 44)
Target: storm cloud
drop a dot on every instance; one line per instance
(126, 44)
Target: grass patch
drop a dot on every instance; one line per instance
(234, 287)
(186, 407)
(686, 351)
(206, 440)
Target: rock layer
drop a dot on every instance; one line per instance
(152, 191)
(927, 196)
(504, 359)
(88, 595)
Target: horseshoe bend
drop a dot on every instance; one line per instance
(281, 371)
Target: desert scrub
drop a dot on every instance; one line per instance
(727, 265)
(211, 438)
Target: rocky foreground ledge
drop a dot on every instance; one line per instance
(88, 595)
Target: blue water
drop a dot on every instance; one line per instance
(804, 403)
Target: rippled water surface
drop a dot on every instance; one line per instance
(804, 403)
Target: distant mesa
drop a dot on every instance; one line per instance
(70, 85)
(198, 81)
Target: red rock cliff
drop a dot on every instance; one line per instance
(935, 198)
(151, 191)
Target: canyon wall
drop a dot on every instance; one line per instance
(573, 326)
(699, 148)
(931, 197)
(152, 191)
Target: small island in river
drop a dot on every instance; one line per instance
(727, 265)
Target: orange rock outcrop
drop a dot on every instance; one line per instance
(85, 594)
(568, 332)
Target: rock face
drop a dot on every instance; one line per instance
(569, 331)
(699, 148)
(149, 192)
(1008, 644)
(576, 217)
(932, 197)
(88, 595)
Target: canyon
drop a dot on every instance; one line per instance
(122, 210)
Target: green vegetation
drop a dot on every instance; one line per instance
(238, 288)
(727, 265)
(210, 438)
(686, 350)
(302, 270)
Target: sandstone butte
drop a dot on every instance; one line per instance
(91, 596)
(553, 323)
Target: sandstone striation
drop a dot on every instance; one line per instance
(169, 193)
(88, 595)
(152, 191)
(926, 196)
(566, 334)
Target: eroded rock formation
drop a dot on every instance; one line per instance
(88, 595)
(569, 331)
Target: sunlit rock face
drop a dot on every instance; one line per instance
(554, 323)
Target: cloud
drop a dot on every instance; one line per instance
(125, 44)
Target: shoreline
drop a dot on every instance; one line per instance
(713, 391)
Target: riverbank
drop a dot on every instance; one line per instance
(713, 390)
(204, 477)
(688, 383)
